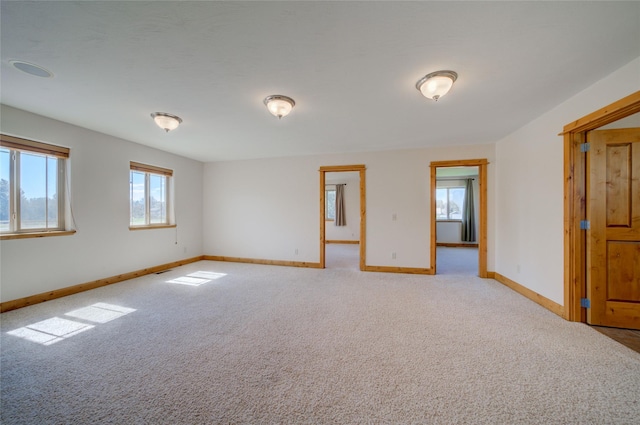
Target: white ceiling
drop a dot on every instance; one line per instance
(350, 66)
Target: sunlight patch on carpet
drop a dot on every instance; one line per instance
(56, 329)
(100, 312)
(197, 278)
(51, 330)
(207, 275)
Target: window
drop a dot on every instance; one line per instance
(149, 201)
(449, 202)
(32, 187)
(330, 204)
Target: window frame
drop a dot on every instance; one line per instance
(17, 146)
(328, 189)
(149, 170)
(448, 218)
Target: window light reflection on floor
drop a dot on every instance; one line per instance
(56, 329)
(100, 312)
(197, 278)
(51, 330)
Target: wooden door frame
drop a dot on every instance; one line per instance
(575, 199)
(363, 209)
(482, 240)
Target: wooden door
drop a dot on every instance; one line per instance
(613, 259)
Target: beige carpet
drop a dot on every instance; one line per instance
(457, 261)
(262, 345)
(342, 256)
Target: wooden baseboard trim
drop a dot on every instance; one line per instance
(70, 290)
(263, 262)
(533, 296)
(387, 269)
(457, 245)
(346, 242)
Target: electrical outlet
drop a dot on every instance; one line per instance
(184, 249)
(296, 251)
(518, 268)
(393, 255)
(394, 217)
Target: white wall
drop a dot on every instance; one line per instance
(266, 209)
(448, 231)
(529, 179)
(103, 245)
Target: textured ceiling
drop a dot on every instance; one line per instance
(350, 66)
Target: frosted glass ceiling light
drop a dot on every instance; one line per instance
(436, 84)
(165, 121)
(279, 105)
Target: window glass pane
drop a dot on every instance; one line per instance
(33, 191)
(441, 204)
(52, 192)
(5, 167)
(330, 205)
(30, 194)
(456, 199)
(157, 199)
(136, 198)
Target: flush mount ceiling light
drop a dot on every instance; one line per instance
(279, 105)
(166, 121)
(436, 84)
(31, 69)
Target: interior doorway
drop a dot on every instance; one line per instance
(457, 220)
(342, 220)
(474, 173)
(343, 241)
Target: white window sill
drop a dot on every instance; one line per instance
(27, 235)
(153, 226)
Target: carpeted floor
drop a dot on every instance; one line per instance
(457, 260)
(240, 343)
(342, 256)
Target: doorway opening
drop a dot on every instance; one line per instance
(343, 245)
(451, 224)
(457, 220)
(342, 220)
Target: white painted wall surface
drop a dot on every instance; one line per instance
(448, 231)
(266, 209)
(530, 187)
(103, 245)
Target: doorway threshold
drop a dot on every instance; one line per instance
(628, 337)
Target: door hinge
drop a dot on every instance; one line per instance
(585, 303)
(585, 147)
(585, 225)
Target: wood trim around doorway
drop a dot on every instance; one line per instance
(363, 210)
(575, 199)
(482, 239)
